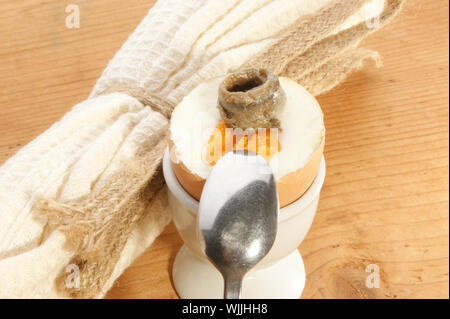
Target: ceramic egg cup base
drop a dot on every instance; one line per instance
(197, 278)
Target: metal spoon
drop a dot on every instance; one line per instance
(238, 216)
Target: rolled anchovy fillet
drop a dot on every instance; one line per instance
(251, 98)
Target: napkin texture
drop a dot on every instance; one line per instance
(79, 203)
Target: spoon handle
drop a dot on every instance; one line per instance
(233, 284)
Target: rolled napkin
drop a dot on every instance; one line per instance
(88, 193)
(80, 162)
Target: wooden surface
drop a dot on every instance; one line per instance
(386, 196)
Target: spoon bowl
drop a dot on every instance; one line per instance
(238, 216)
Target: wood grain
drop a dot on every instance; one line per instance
(386, 195)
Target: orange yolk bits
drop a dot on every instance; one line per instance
(262, 141)
(221, 142)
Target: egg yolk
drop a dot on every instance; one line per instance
(223, 140)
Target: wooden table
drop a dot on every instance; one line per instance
(386, 196)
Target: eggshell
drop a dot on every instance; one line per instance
(293, 185)
(191, 182)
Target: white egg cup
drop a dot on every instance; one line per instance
(281, 274)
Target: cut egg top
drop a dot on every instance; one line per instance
(196, 117)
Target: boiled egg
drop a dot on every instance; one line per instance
(198, 138)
